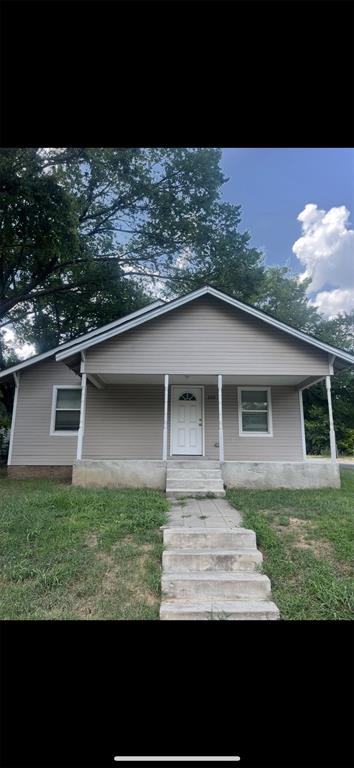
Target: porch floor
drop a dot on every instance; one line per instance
(203, 513)
(188, 456)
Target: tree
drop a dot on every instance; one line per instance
(81, 223)
(339, 332)
(221, 258)
(106, 295)
(283, 296)
(37, 230)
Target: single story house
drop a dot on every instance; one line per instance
(204, 379)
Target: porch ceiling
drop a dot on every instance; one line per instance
(137, 378)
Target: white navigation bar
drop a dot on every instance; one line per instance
(149, 759)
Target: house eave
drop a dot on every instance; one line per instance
(70, 345)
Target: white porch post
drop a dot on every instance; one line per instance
(221, 428)
(81, 432)
(302, 422)
(332, 436)
(165, 420)
(13, 418)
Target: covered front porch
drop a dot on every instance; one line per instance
(132, 426)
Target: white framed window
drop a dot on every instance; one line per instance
(255, 412)
(66, 406)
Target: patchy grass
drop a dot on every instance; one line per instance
(307, 540)
(73, 553)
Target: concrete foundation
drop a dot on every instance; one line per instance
(145, 473)
(280, 474)
(113, 473)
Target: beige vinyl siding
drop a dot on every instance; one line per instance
(286, 443)
(32, 443)
(124, 422)
(211, 423)
(206, 336)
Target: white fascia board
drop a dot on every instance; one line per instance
(74, 342)
(223, 297)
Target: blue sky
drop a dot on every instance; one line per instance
(274, 185)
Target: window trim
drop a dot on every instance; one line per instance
(243, 433)
(62, 432)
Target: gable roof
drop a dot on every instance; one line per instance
(85, 337)
(208, 290)
(159, 308)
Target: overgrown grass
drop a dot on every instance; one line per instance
(307, 540)
(73, 553)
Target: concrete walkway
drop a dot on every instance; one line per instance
(203, 513)
(211, 567)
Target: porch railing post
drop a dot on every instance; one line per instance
(221, 428)
(165, 420)
(332, 436)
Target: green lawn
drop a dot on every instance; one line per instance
(307, 540)
(72, 553)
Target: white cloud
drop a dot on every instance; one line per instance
(326, 251)
(334, 303)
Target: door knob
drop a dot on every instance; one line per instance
(200, 422)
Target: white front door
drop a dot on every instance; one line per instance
(187, 422)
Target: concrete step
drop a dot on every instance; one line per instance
(194, 478)
(181, 560)
(195, 488)
(190, 492)
(201, 538)
(222, 585)
(193, 474)
(198, 484)
(238, 610)
(192, 464)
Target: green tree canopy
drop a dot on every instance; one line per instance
(85, 231)
(283, 296)
(339, 332)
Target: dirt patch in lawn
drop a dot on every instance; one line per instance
(109, 578)
(272, 512)
(129, 580)
(301, 529)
